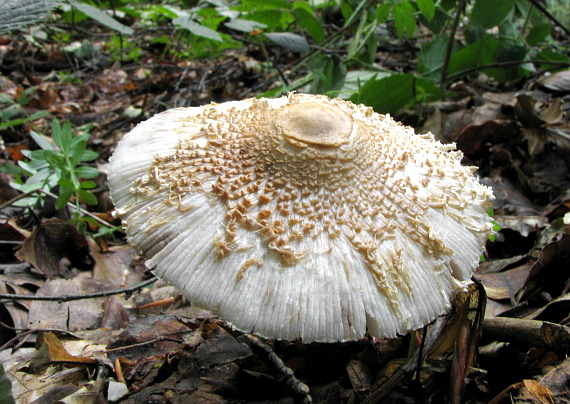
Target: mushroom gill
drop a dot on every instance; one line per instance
(301, 217)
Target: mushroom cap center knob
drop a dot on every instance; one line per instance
(314, 124)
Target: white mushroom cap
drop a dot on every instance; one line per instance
(301, 217)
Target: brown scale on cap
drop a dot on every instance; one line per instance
(317, 169)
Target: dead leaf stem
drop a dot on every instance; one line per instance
(66, 298)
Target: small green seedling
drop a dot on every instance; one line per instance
(60, 163)
(496, 227)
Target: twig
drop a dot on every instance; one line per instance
(550, 16)
(69, 204)
(504, 64)
(298, 390)
(541, 334)
(449, 50)
(16, 199)
(143, 343)
(66, 298)
(82, 211)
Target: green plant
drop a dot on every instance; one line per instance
(101, 17)
(11, 110)
(61, 163)
(507, 44)
(123, 50)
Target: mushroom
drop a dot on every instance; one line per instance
(301, 217)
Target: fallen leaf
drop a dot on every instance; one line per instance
(532, 391)
(50, 243)
(559, 81)
(557, 380)
(359, 375)
(73, 315)
(51, 351)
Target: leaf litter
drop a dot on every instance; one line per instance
(151, 345)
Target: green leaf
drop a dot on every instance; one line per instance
(61, 135)
(288, 40)
(354, 81)
(552, 56)
(538, 34)
(371, 49)
(274, 19)
(346, 10)
(480, 53)
(77, 152)
(89, 155)
(5, 100)
(310, 23)
(54, 160)
(383, 12)
(37, 115)
(438, 23)
(14, 122)
(432, 56)
(390, 93)
(10, 111)
(17, 14)
(427, 7)
(64, 197)
(250, 5)
(66, 183)
(510, 51)
(42, 175)
(87, 185)
(330, 77)
(55, 131)
(86, 172)
(38, 154)
(242, 25)
(490, 13)
(448, 4)
(78, 139)
(404, 19)
(25, 97)
(41, 141)
(361, 37)
(87, 197)
(387, 94)
(101, 17)
(197, 29)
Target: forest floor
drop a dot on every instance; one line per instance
(150, 345)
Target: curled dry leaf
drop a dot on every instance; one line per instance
(53, 242)
(52, 351)
(559, 81)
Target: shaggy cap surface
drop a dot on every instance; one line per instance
(301, 217)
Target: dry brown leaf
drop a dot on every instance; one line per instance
(10, 231)
(115, 315)
(53, 245)
(559, 81)
(149, 336)
(359, 375)
(532, 391)
(75, 315)
(557, 381)
(505, 285)
(112, 266)
(51, 350)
